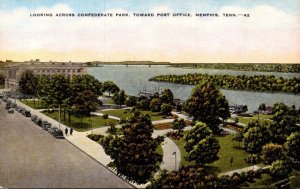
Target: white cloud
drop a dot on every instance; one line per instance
(268, 31)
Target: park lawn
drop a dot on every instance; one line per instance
(246, 120)
(88, 122)
(155, 116)
(228, 149)
(35, 104)
(110, 101)
(121, 113)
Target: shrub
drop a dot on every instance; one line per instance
(105, 116)
(174, 135)
(95, 137)
(252, 159)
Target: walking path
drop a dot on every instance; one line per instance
(109, 116)
(246, 169)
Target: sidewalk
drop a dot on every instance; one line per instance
(254, 168)
(109, 116)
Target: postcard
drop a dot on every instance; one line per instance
(156, 94)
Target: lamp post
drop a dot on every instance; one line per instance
(174, 154)
(91, 124)
(59, 116)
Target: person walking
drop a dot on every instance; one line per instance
(71, 131)
(66, 131)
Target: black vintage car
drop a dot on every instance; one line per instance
(57, 133)
(39, 122)
(34, 118)
(46, 125)
(27, 113)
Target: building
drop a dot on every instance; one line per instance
(13, 72)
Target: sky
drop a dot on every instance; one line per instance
(270, 35)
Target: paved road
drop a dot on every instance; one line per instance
(30, 158)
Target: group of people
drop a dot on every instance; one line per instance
(67, 130)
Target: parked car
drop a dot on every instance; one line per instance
(13, 105)
(47, 126)
(7, 106)
(33, 118)
(27, 113)
(39, 122)
(11, 111)
(57, 133)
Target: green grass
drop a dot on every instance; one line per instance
(159, 150)
(97, 121)
(37, 104)
(110, 101)
(228, 149)
(154, 115)
(121, 113)
(246, 120)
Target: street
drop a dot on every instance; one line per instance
(31, 158)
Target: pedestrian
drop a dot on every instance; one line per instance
(71, 131)
(66, 131)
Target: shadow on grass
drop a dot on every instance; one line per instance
(212, 169)
(81, 125)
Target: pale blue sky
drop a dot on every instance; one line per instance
(292, 6)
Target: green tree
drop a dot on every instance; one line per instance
(84, 103)
(272, 152)
(119, 98)
(155, 105)
(201, 145)
(28, 83)
(134, 153)
(207, 104)
(284, 122)
(280, 170)
(262, 107)
(59, 89)
(292, 146)
(131, 101)
(238, 137)
(166, 109)
(110, 87)
(167, 96)
(255, 138)
(178, 124)
(43, 89)
(143, 103)
(2, 79)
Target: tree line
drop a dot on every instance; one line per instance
(76, 96)
(294, 68)
(262, 83)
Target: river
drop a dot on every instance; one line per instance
(134, 78)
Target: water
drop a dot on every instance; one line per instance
(135, 78)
